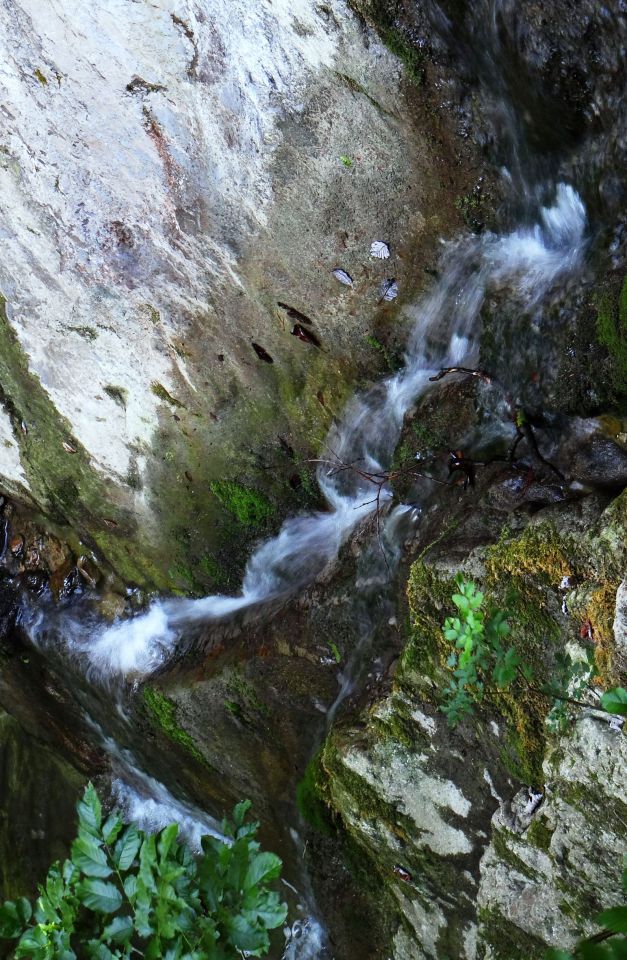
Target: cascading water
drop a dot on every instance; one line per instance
(525, 261)
(528, 260)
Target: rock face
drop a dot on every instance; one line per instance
(463, 860)
(39, 792)
(176, 181)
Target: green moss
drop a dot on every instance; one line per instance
(40, 76)
(160, 391)
(599, 613)
(539, 834)
(238, 685)
(424, 661)
(412, 59)
(356, 87)
(508, 942)
(539, 553)
(429, 598)
(607, 813)
(333, 647)
(66, 486)
(429, 436)
(397, 725)
(214, 569)
(507, 855)
(249, 507)
(163, 713)
(310, 800)
(611, 329)
(118, 394)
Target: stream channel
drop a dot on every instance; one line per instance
(543, 243)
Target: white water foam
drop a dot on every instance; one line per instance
(150, 805)
(147, 802)
(528, 260)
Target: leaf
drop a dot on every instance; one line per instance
(147, 859)
(264, 867)
(343, 276)
(89, 857)
(99, 951)
(245, 936)
(126, 848)
(271, 911)
(11, 923)
(100, 896)
(615, 701)
(33, 944)
(240, 811)
(119, 930)
(614, 919)
(90, 811)
(112, 827)
(166, 838)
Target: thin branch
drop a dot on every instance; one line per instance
(446, 371)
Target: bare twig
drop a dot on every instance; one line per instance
(446, 371)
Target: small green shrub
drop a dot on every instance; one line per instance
(481, 660)
(124, 893)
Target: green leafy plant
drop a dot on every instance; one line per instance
(479, 654)
(610, 943)
(481, 657)
(124, 893)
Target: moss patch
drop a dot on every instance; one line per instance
(160, 391)
(611, 326)
(508, 942)
(539, 834)
(248, 506)
(507, 855)
(309, 797)
(162, 711)
(119, 395)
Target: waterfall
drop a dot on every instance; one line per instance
(528, 260)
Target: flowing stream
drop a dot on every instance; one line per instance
(528, 261)
(523, 263)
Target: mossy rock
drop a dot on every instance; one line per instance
(162, 712)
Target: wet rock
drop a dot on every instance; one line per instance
(16, 545)
(38, 793)
(511, 835)
(549, 880)
(230, 231)
(110, 606)
(620, 623)
(585, 451)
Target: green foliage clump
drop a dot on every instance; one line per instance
(610, 943)
(249, 507)
(163, 711)
(392, 360)
(480, 656)
(481, 660)
(124, 893)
